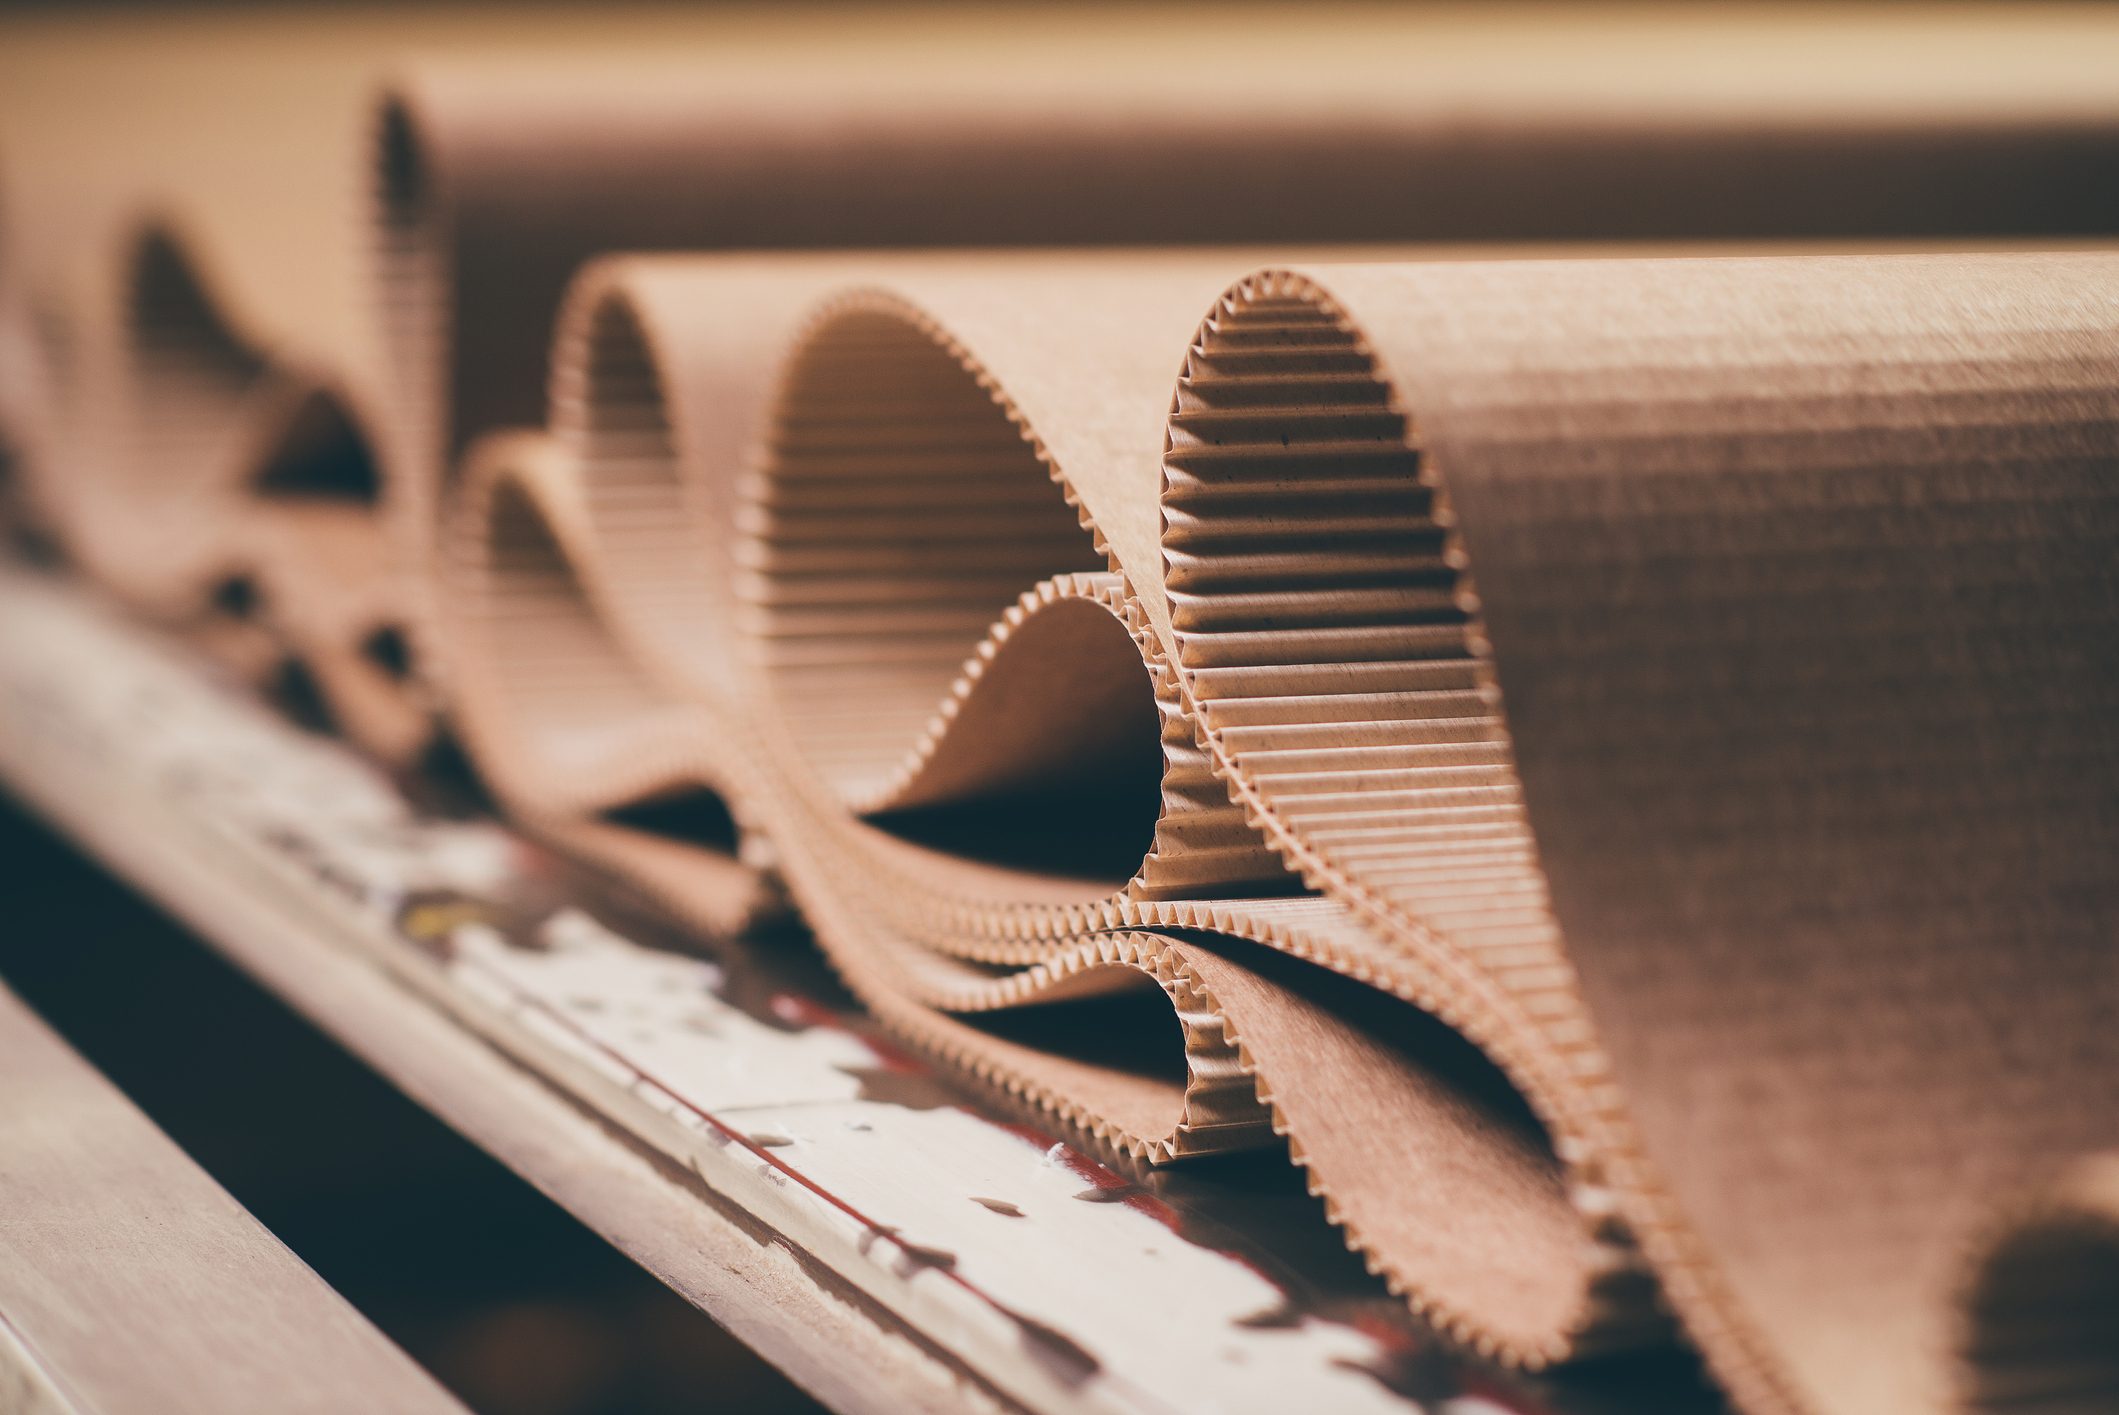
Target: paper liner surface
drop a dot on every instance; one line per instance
(253, 147)
(216, 483)
(1752, 815)
(1688, 683)
(493, 179)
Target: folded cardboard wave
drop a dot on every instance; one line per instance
(566, 716)
(845, 892)
(230, 489)
(1759, 546)
(28, 397)
(490, 181)
(1404, 773)
(184, 222)
(30, 361)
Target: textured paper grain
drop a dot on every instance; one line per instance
(1678, 694)
(1800, 980)
(243, 144)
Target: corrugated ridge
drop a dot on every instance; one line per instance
(1393, 871)
(412, 281)
(1359, 544)
(880, 542)
(189, 375)
(1523, 1010)
(855, 888)
(607, 396)
(516, 589)
(1203, 846)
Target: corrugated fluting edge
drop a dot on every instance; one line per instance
(1295, 550)
(1688, 681)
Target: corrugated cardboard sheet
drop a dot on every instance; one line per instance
(1613, 758)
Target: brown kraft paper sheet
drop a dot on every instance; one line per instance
(494, 180)
(1687, 680)
(1480, 920)
(235, 394)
